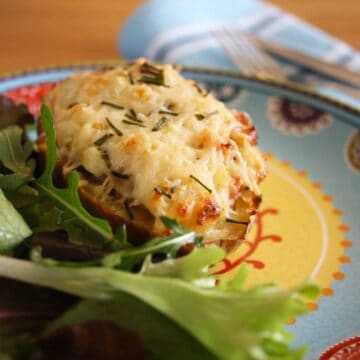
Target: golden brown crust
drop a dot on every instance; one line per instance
(189, 157)
(137, 235)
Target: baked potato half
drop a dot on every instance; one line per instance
(147, 142)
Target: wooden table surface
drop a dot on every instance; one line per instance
(38, 32)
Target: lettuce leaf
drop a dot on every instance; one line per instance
(192, 267)
(14, 155)
(161, 337)
(16, 167)
(231, 322)
(13, 229)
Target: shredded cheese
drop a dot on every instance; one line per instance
(199, 137)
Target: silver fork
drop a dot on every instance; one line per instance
(251, 60)
(247, 57)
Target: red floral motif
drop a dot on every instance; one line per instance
(345, 350)
(31, 95)
(252, 245)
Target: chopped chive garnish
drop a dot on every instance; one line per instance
(113, 127)
(71, 105)
(133, 123)
(201, 183)
(161, 123)
(236, 221)
(150, 81)
(159, 191)
(170, 106)
(115, 106)
(105, 156)
(200, 90)
(93, 178)
(212, 113)
(147, 68)
(131, 115)
(131, 79)
(205, 116)
(167, 112)
(152, 75)
(102, 139)
(128, 210)
(120, 175)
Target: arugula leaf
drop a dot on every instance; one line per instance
(173, 225)
(236, 323)
(67, 199)
(126, 258)
(13, 229)
(13, 154)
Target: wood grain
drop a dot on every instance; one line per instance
(38, 32)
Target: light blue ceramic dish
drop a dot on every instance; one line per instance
(304, 133)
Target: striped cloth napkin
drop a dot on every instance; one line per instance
(181, 32)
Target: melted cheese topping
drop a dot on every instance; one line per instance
(179, 152)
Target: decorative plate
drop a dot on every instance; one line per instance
(308, 226)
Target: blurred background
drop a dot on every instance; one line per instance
(38, 32)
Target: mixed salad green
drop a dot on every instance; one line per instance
(167, 297)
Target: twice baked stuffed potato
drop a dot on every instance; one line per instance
(148, 142)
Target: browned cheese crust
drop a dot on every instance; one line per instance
(146, 142)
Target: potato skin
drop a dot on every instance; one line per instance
(137, 235)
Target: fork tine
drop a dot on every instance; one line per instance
(261, 61)
(231, 50)
(248, 58)
(237, 52)
(247, 53)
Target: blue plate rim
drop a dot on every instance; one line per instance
(350, 114)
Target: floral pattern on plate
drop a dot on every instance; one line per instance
(293, 118)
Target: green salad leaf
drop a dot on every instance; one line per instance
(67, 199)
(172, 302)
(16, 347)
(161, 337)
(13, 114)
(16, 167)
(192, 267)
(14, 155)
(12, 182)
(13, 229)
(232, 324)
(169, 245)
